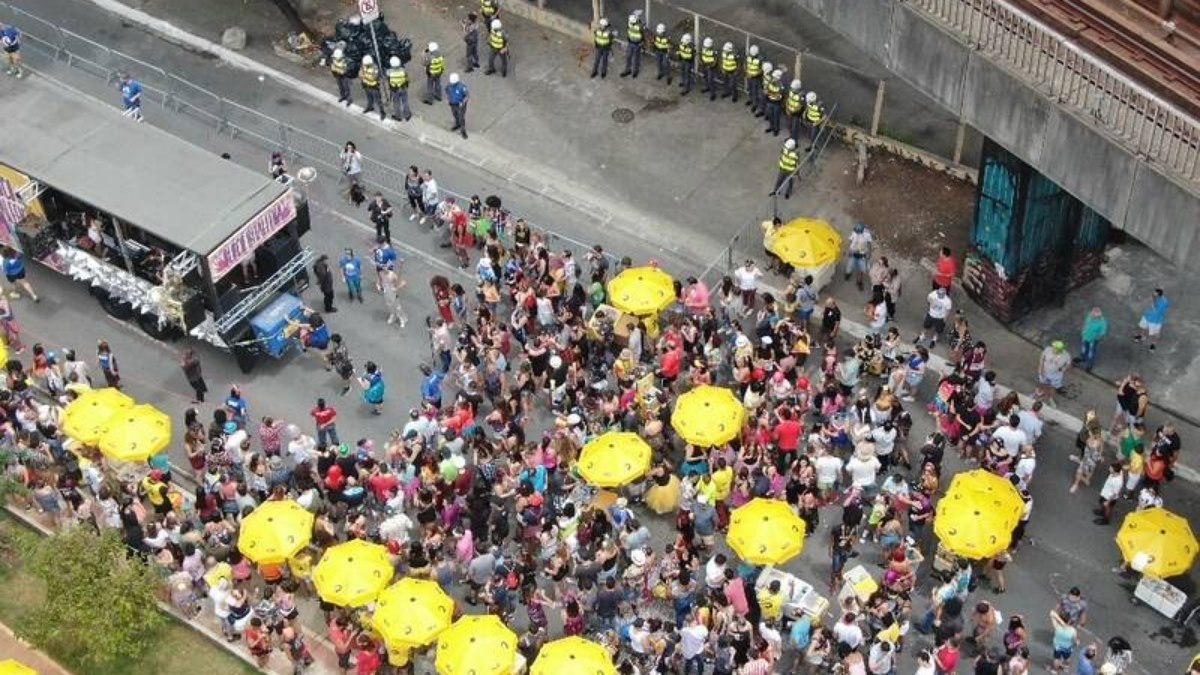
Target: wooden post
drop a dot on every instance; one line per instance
(878, 115)
(797, 67)
(597, 11)
(959, 139)
(696, 39)
(647, 20)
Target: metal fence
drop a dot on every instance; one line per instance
(172, 93)
(1144, 123)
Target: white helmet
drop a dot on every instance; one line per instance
(633, 19)
(767, 67)
(686, 39)
(753, 51)
(707, 42)
(367, 60)
(777, 74)
(727, 47)
(495, 24)
(356, 20)
(433, 46)
(604, 23)
(796, 85)
(337, 54)
(453, 78)
(394, 61)
(810, 97)
(660, 29)
(790, 144)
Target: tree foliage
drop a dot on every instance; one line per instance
(100, 604)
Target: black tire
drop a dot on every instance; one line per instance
(116, 308)
(149, 325)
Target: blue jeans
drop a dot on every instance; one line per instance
(327, 435)
(694, 664)
(354, 284)
(1089, 353)
(683, 607)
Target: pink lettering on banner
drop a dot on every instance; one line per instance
(245, 241)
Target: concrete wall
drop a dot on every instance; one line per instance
(1133, 195)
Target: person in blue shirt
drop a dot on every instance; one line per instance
(457, 96)
(236, 407)
(431, 386)
(373, 388)
(351, 266)
(10, 40)
(1151, 323)
(382, 255)
(131, 97)
(14, 271)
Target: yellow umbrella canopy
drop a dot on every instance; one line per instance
(86, 418)
(805, 242)
(412, 612)
(1157, 543)
(977, 516)
(766, 532)
(136, 434)
(353, 574)
(15, 667)
(615, 459)
(573, 656)
(477, 644)
(275, 531)
(708, 416)
(641, 291)
(4, 360)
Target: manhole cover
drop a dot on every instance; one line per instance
(622, 115)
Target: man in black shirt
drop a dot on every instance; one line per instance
(381, 215)
(831, 319)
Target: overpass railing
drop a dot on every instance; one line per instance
(1153, 129)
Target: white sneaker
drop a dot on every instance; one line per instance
(391, 320)
(412, 217)
(403, 322)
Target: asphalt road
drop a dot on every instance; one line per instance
(1067, 548)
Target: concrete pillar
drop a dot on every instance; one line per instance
(696, 31)
(959, 139)
(796, 67)
(597, 11)
(878, 115)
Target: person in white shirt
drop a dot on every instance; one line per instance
(747, 277)
(429, 195)
(863, 467)
(985, 392)
(692, 640)
(829, 469)
(848, 633)
(1110, 492)
(858, 253)
(1011, 436)
(939, 306)
(881, 660)
(884, 437)
(1031, 422)
(1026, 465)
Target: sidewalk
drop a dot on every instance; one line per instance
(12, 647)
(684, 176)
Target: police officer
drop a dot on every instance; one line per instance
(686, 55)
(789, 161)
(761, 110)
(457, 96)
(470, 29)
(814, 115)
(633, 52)
(708, 68)
(498, 42)
(435, 65)
(489, 9)
(602, 39)
(774, 89)
(729, 71)
(340, 68)
(368, 74)
(662, 52)
(793, 105)
(398, 85)
(753, 67)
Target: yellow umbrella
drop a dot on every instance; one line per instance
(708, 416)
(477, 644)
(353, 574)
(275, 531)
(3, 359)
(15, 667)
(86, 418)
(977, 516)
(641, 291)
(766, 532)
(1157, 543)
(805, 242)
(136, 434)
(412, 612)
(573, 656)
(615, 459)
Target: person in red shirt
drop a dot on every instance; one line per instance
(368, 660)
(326, 419)
(947, 269)
(383, 484)
(787, 437)
(672, 361)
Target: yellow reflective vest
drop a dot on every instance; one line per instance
(497, 40)
(708, 56)
(397, 78)
(437, 65)
(369, 75)
(488, 8)
(634, 33)
(603, 37)
(774, 91)
(814, 114)
(794, 104)
(662, 43)
(729, 62)
(753, 66)
(339, 67)
(685, 52)
(789, 160)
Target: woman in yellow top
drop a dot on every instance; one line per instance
(663, 495)
(722, 478)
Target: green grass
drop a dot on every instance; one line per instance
(178, 650)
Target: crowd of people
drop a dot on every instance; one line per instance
(477, 488)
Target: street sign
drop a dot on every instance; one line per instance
(369, 9)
